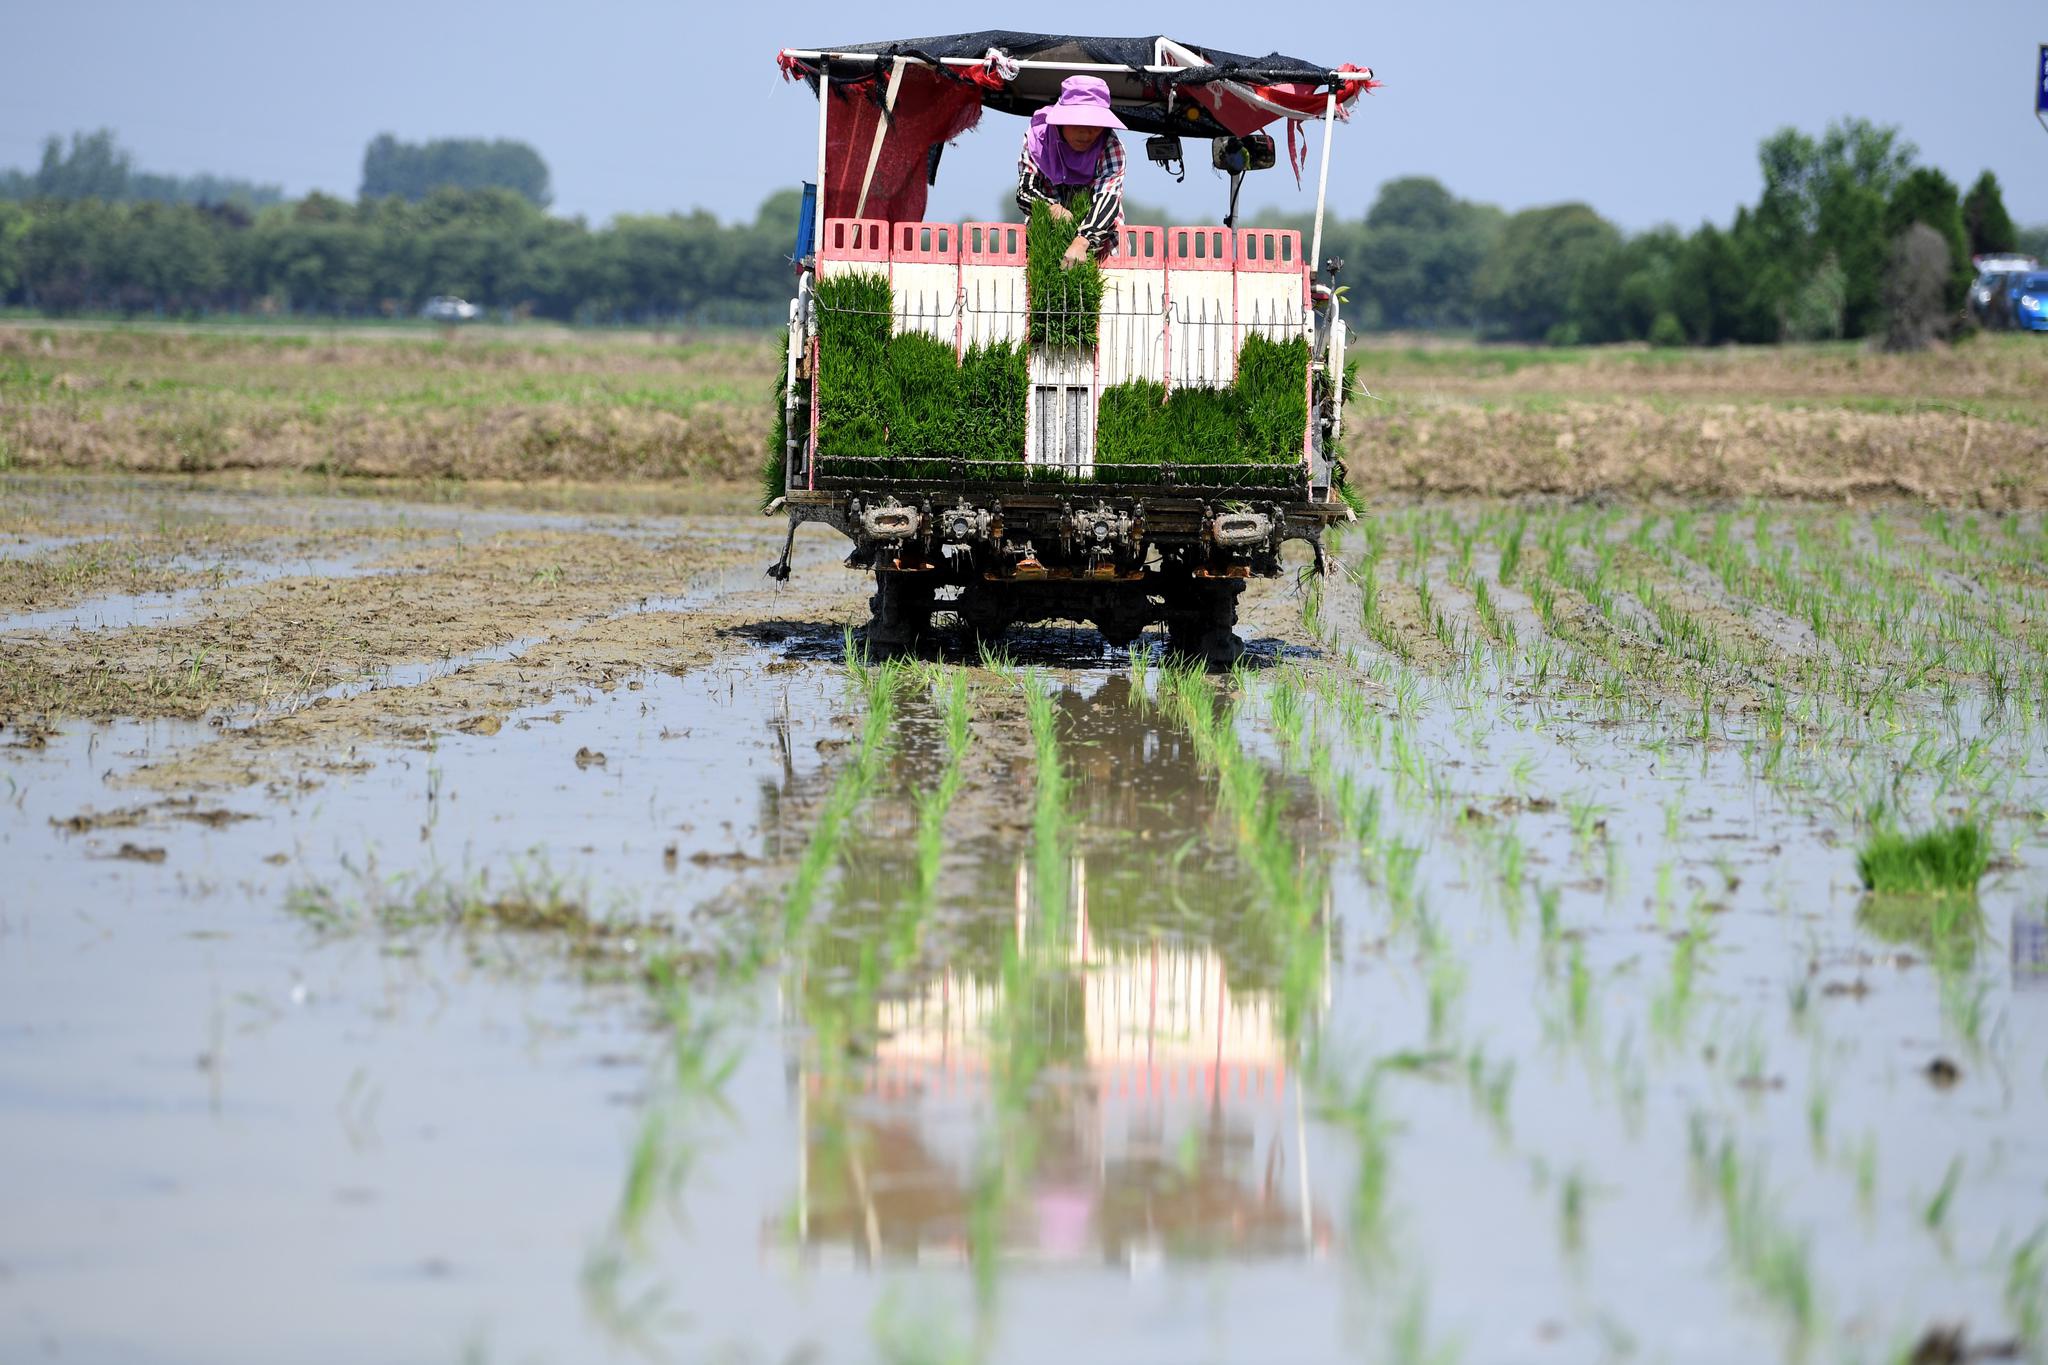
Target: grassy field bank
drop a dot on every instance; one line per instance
(1964, 426)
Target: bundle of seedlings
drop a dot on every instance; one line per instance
(1066, 299)
(854, 388)
(1227, 437)
(902, 406)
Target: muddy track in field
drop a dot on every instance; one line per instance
(293, 671)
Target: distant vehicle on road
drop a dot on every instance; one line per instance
(448, 308)
(1990, 292)
(2030, 302)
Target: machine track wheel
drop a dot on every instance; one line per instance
(1201, 620)
(900, 611)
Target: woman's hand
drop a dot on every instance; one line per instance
(1060, 212)
(1077, 251)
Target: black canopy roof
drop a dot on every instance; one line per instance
(1138, 95)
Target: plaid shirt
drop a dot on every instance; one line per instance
(1106, 191)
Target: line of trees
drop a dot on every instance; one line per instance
(386, 257)
(1819, 255)
(96, 167)
(1811, 260)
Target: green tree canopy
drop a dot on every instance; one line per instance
(96, 166)
(414, 170)
(1927, 196)
(1985, 221)
(1543, 279)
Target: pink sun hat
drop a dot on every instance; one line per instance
(1084, 102)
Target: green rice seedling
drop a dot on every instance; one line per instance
(1497, 627)
(1271, 387)
(1066, 299)
(922, 411)
(1259, 420)
(988, 401)
(855, 395)
(959, 713)
(1511, 549)
(1949, 860)
(1547, 898)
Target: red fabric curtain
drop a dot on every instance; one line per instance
(930, 109)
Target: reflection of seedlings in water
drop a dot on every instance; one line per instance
(1935, 1215)
(1410, 1338)
(1773, 1258)
(1951, 859)
(1817, 1104)
(2026, 1287)
(1947, 927)
(1579, 991)
(631, 1320)
(1673, 1005)
(702, 1060)
(1866, 1174)
(1962, 1006)
(1446, 975)
(1588, 820)
(879, 684)
(909, 1335)
(535, 901)
(932, 806)
(1491, 1084)
(1359, 1115)
(1547, 898)
(1571, 1213)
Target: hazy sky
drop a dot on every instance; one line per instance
(1649, 112)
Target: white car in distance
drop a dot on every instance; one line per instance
(448, 308)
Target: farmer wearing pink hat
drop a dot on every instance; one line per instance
(1069, 150)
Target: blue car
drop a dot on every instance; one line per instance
(2030, 302)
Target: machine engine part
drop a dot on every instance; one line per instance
(1240, 530)
(891, 522)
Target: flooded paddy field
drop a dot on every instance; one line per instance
(438, 931)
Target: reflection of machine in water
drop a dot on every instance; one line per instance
(1166, 1122)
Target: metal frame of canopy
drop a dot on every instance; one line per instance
(1336, 79)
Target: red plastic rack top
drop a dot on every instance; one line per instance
(1199, 248)
(925, 243)
(991, 244)
(1137, 248)
(1269, 249)
(856, 239)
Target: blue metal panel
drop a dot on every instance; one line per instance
(807, 223)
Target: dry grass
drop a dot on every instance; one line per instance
(1966, 425)
(476, 407)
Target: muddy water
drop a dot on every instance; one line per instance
(1549, 1032)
